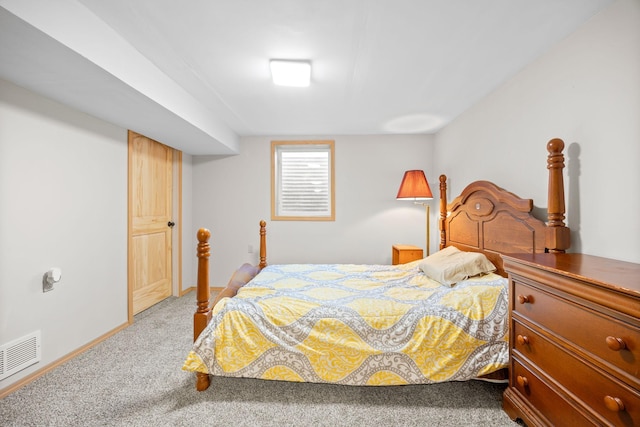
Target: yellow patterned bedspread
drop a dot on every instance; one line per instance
(356, 325)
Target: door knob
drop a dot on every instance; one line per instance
(171, 224)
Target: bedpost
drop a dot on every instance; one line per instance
(443, 210)
(558, 236)
(263, 245)
(203, 313)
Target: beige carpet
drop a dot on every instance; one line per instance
(135, 379)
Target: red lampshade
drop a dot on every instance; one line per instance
(414, 186)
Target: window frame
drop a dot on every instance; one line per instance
(324, 146)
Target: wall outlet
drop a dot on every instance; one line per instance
(250, 249)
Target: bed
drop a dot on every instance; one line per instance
(442, 318)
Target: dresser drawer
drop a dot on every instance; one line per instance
(557, 411)
(597, 390)
(606, 338)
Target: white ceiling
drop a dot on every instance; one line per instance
(195, 74)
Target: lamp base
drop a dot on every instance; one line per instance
(426, 205)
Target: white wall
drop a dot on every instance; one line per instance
(233, 195)
(586, 91)
(63, 195)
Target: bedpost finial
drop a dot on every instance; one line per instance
(555, 146)
(203, 235)
(443, 178)
(263, 245)
(558, 236)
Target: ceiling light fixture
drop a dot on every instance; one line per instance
(290, 73)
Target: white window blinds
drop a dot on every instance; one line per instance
(303, 181)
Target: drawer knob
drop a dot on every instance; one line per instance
(613, 404)
(523, 299)
(524, 382)
(615, 344)
(522, 339)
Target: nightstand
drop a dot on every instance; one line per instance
(402, 254)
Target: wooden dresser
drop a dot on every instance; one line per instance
(575, 340)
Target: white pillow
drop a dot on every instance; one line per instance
(451, 265)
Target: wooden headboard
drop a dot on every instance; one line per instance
(486, 218)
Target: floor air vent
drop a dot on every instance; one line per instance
(19, 354)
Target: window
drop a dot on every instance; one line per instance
(302, 181)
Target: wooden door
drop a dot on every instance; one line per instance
(150, 210)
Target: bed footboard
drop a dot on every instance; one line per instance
(240, 277)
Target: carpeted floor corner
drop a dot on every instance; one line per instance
(135, 379)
